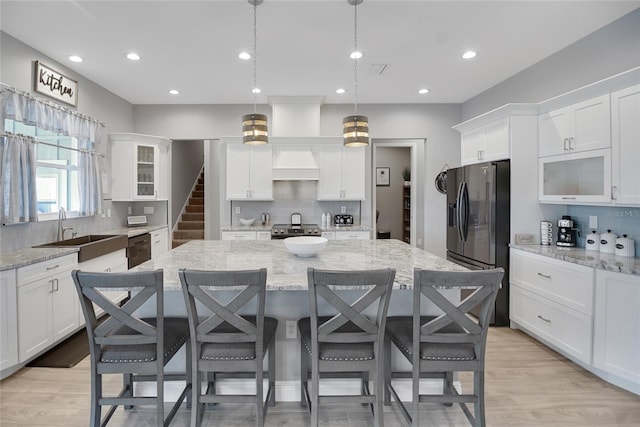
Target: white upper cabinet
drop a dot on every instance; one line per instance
(575, 178)
(140, 167)
(625, 146)
(342, 173)
(486, 143)
(579, 127)
(249, 172)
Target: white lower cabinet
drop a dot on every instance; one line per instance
(48, 305)
(352, 235)
(616, 334)
(238, 235)
(115, 262)
(8, 320)
(263, 235)
(329, 235)
(553, 300)
(159, 242)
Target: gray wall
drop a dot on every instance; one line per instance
(16, 69)
(390, 200)
(611, 50)
(187, 158)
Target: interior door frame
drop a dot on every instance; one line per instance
(395, 143)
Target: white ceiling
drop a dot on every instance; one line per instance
(303, 45)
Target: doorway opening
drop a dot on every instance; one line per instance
(394, 196)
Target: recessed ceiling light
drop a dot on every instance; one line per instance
(75, 58)
(423, 91)
(174, 92)
(256, 90)
(356, 54)
(340, 91)
(244, 55)
(469, 54)
(133, 56)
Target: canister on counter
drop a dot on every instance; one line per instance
(625, 246)
(608, 242)
(546, 233)
(593, 241)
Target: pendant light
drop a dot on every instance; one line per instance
(254, 126)
(355, 128)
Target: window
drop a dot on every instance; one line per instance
(56, 170)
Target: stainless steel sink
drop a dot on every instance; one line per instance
(92, 245)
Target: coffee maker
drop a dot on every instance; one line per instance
(567, 233)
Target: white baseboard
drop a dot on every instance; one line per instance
(289, 390)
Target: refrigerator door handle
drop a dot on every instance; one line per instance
(459, 212)
(463, 208)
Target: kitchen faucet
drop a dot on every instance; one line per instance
(62, 214)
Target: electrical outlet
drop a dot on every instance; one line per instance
(237, 210)
(343, 209)
(129, 210)
(109, 213)
(593, 222)
(419, 241)
(291, 332)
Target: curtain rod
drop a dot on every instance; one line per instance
(47, 102)
(36, 141)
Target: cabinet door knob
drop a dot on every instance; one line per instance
(565, 144)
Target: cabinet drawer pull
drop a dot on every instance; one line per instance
(543, 319)
(544, 275)
(565, 144)
(568, 198)
(53, 267)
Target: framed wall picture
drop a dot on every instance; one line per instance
(383, 177)
(54, 84)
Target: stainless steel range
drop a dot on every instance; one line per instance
(282, 231)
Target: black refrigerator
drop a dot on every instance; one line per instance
(478, 223)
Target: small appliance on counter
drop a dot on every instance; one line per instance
(342, 220)
(593, 241)
(546, 233)
(136, 221)
(296, 220)
(608, 242)
(625, 246)
(567, 233)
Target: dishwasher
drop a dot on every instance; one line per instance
(138, 250)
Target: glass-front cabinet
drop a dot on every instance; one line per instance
(146, 171)
(576, 178)
(140, 167)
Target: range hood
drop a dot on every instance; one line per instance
(291, 163)
(295, 116)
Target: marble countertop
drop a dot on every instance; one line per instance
(288, 272)
(26, 256)
(260, 227)
(587, 258)
(22, 257)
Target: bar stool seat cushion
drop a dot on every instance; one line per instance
(176, 333)
(240, 350)
(336, 351)
(400, 330)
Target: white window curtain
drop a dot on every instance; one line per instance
(89, 179)
(18, 173)
(25, 108)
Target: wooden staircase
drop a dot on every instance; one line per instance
(191, 224)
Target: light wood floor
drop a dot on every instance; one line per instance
(527, 384)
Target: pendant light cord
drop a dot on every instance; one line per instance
(255, 55)
(355, 60)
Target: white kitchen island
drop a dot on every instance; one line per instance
(287, 299)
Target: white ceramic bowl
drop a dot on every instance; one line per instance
(247, 221)
(305, 246)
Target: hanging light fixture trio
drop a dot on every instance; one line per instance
(355, 128)
(254, 126)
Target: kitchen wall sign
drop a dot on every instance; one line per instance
(382, 177)
(54, 84)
